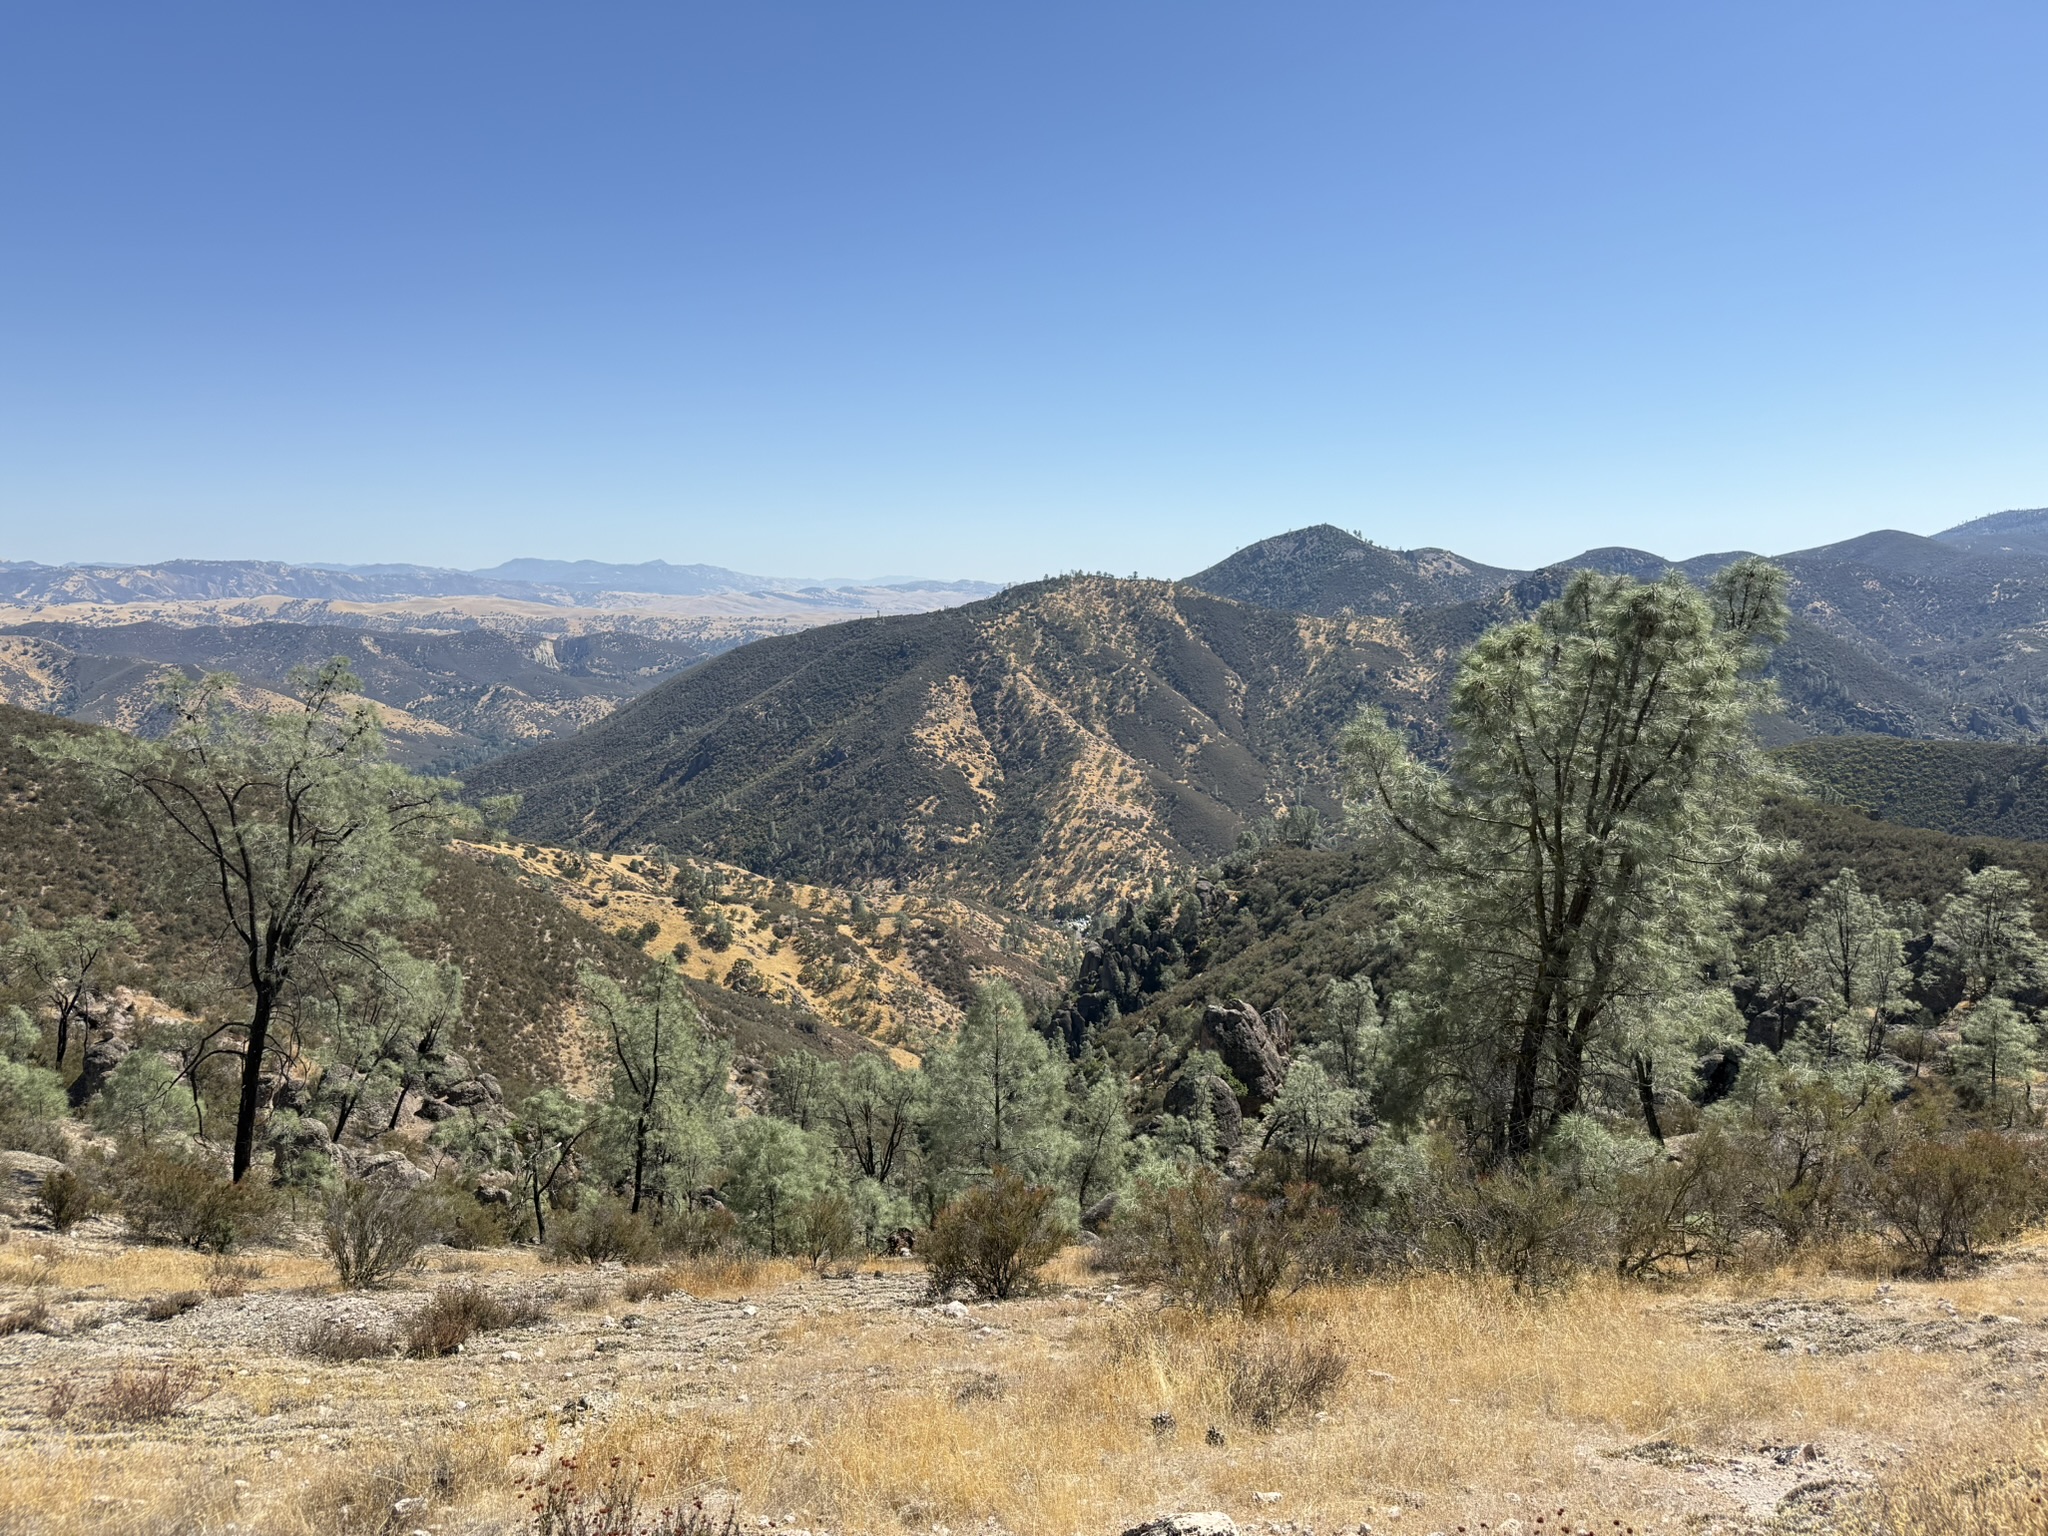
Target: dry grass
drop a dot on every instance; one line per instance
(1456, 1400)
(1988, 1481)
(134, 1272)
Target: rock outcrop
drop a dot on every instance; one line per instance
(1256, 1048)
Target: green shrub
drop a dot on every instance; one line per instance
(455, 1216)
(697, 1232)
(1686, 1210)
(1213, 1247)
(995, 1237)
(184, 1196)
(827, 1227)
(31, 1105)
(1533, 1223)
(374, 1232)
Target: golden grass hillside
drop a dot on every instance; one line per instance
(900, 975)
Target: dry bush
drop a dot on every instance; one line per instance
(136, 1395)
(337, 1340)
(651, 1285)
(374, 1232)
(1269, 1378)
(995, 1237)
(1254, 1373)
(615, 1506)
(33, 1316)
(456, 1313)
(66, 1199)
(445, 1470)
(161, 1309)
(731, 1270)
(186, 1197)
(1212, 1247)
(598, 1232)
(1942, 1200)
(228, 1278)
(1976, 1483)
(587, 1296)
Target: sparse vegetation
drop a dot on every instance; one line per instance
(66, 1199)
(339, 1341)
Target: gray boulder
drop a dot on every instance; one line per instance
(1185, 1097)
(1255, 1048)
(22, 1173)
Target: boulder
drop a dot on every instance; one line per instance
(1184, 1098)
(106, 1052)
(473, 1093)
(1097, 1215)
(1255, 1048)
(385, 1168)
(1211, 1522)
(22, 1173)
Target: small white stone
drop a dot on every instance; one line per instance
(748, 1311)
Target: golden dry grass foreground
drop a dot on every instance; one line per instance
(1779, 1402)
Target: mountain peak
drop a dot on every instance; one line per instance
(1324, 570)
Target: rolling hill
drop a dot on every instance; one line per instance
(1968, 788)
(450, 699)
(1042, 749)
(64, 851)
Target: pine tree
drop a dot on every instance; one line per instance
(1580, 854)
(1996, 1058)
(289, 828)
(1852, 952)
(668, 1095)
(1987, 931)
(997, 1095)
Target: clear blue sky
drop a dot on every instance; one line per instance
(979, 290)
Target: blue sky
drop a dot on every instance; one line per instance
(973, 290)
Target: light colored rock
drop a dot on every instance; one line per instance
(25, 1171)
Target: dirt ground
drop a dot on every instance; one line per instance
(852, 1403)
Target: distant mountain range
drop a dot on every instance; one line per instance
(1893, 632)
(1069, 739)
(546, 581)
